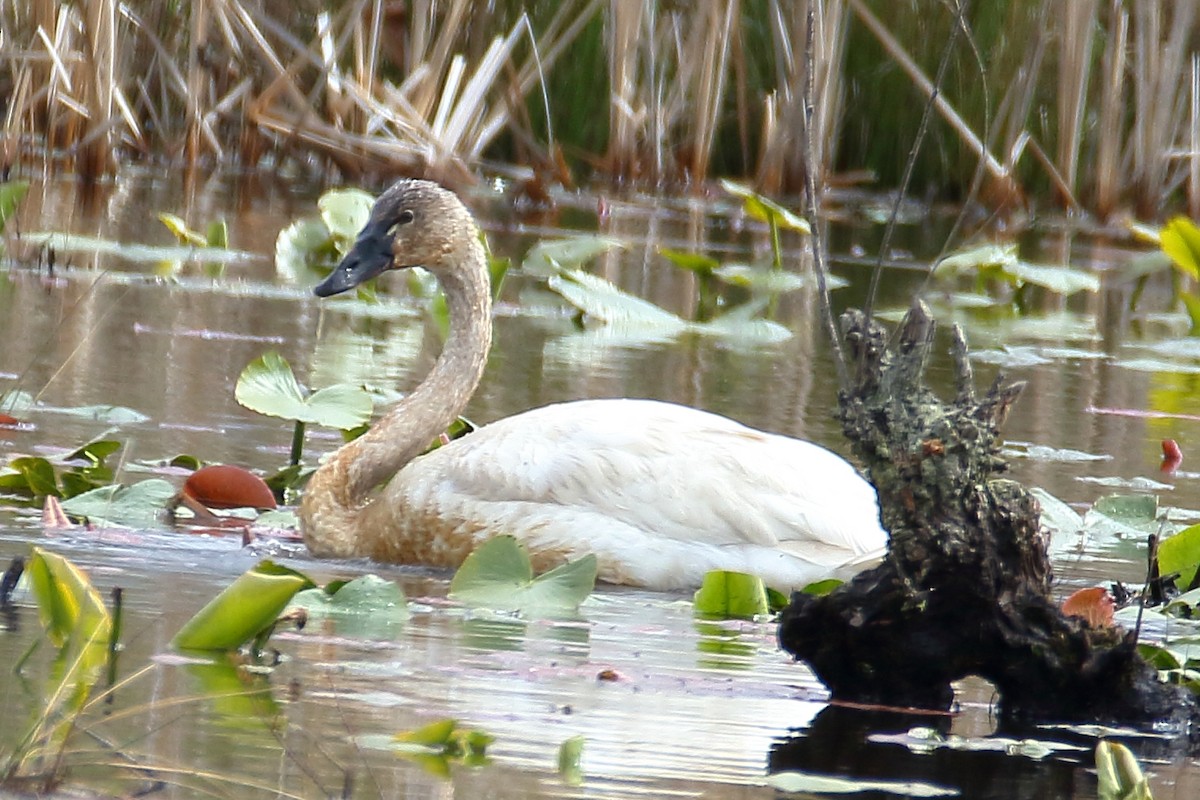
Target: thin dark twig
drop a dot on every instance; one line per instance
(911, 162)
(812, 203)
(980, 168)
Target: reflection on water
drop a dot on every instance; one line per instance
(667, 706)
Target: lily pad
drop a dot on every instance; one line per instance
(268, 386)
(1118, 773)
(809, 783)
(345, 212)
(367, 606)
(764, 209)
(549, 258)
(724, 594)
(138, 506)
(603, 301)
(570, 761)
(68, 604)
(1181, 553)
(1180, 240)
(11, 195)
(498, 575)
(245, 608)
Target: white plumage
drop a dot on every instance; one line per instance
(660, 493)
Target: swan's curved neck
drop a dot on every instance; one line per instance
(337, 494)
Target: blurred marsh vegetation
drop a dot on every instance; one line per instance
(1087, 105)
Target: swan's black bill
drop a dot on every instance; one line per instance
(370, 256)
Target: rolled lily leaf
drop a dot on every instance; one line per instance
(248, 606)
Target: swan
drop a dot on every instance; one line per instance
(660, 493)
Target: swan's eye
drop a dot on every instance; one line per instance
(406, 216)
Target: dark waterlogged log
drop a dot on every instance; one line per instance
(965, 589)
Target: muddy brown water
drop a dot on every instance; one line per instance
(667, 707)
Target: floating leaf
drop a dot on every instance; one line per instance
(498, 575)
(31, 475)
(446, 739)
(228, 486)
(822, 587)
(345, 212)
(765, 210)
(68, 604)
(180, 230)
(217, 234)
(1180, 239)
(17, 402)
(724, 594)
(1180, 553)
(367, 605)
(809, 783)
(693, 262)
(268, 386)
(11, 195)
(138, 506)
(133, 252)
(1120, 776)
(553, 257)
(1059, 279)
(570, 761)
(299, 247)
(1093, 604)
(245, 608)
(976, 259)
(603, 301)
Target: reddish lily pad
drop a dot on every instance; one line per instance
(228, 486)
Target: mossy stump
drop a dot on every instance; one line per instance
(965, 587)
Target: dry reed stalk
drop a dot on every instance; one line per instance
(625, 120)
(1005, 183)
(716, 32)
(1160, 63)
(1193, 194)
(1078, 23)
(782, 160)
(1112, 111)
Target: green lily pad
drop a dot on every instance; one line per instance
(1057, 278)
(976, 259)
(68, 604)
(498, 575)
(133, 252)
(1180, 240)
(11, 195)
(1180, 553)
(268, 386)
(570, 761)
(243, 610)
(808, 783)
(765, 210)
(138, 506)
(693, 262)
(1119, 775)
(730, 595)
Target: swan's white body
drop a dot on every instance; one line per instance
(660, 493)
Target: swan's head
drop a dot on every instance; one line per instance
(413, 224)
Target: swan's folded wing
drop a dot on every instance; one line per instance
(669, 470)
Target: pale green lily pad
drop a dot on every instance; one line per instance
(368, 605)
(550, 258)
(1040, 452)
(16, 402)
(134, 252)
(345, 212)
(771, 281)
(243, 610)
(603, 301)
(1057, 278)
(68, 604)
(1159, 365)
(810, 783)
(498, 575)
(301, 246)
(268, 386)
(975, 259)
(138, 506)
(1118, 773)
(1057, 515)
